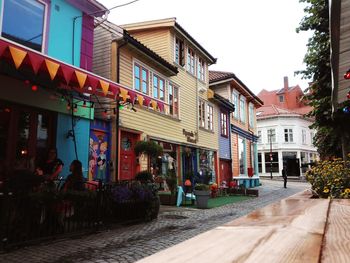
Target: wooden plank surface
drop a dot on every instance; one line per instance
(337, 237)
(288, 231)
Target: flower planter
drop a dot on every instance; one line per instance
(202, 198)
(167, 199)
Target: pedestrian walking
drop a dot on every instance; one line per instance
(284, 176)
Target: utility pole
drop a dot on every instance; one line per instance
(270, 137)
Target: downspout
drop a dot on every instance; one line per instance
(117, 111)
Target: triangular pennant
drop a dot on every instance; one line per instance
(104, 86)
(140, 99)
(3, 46)
(124, 94)
(67, 73)
(114, 89)
(52, 67)
(81, 77)
(146, 101)
(35, 61)
(154, 104)
(92, 82)
(132, 96)
(18, 56)
(160, 106)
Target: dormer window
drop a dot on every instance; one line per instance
(24, 22)
(179, 52)
(281, 98)
(190, 61)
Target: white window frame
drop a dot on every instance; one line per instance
(290, 136)
(46, 7)
(260, 136)
(303, 136)
(148, 77)
(236, 112)
(179, 62)
(189, 66)
(251, 114)
(201, 67)
(210, 117)
(178, 98)
(242, 115)
(272, 137)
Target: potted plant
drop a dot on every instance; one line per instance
(202, 193)
(169, 198)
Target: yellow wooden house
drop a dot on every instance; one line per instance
(161, 60)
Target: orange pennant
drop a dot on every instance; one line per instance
(52, 67)
(81, 77)
(154, 104)
(104, 86)
(18, 56)
(124, 94)
(140, 99)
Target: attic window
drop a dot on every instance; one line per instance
(281, 98)
(179, 52)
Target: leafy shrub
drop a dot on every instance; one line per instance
(201, 187)
(330, 179)
(150, 148)
(171, 181)
(144, 177)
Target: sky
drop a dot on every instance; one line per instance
(255, 39)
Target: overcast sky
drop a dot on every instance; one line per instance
(255, 39)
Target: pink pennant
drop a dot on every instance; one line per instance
(35, 61)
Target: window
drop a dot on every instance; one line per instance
(312, 137)
(288, 135)
(303, 136)
(242, 155)
(223, 120)
(140, 79)
(179, 52)
(259, 137)
(235, 102)
(259, 163)
(190, 61)
(201, 114)
(281, 98)
(158, 87)
(242, 109)
(201, 69)
(271, 135)
(251, 115)
(271, 162)
(210, 117)
(24, 22)
(173, 96)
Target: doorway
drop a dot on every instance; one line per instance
(225, 170)
(127, 155)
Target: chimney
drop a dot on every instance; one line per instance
(286, 85)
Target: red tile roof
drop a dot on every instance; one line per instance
(219, 75)
(273, 110)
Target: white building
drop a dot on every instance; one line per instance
(285, 139)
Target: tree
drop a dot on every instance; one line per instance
(318, 69)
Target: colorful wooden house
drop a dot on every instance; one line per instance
(161, 60)
(243, 139)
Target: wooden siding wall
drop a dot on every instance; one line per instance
(102, 52)
(344, 50)
(157, 40)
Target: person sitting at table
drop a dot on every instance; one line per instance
(52, 167)
(75, 180)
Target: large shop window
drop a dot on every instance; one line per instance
(242, 156)
(206, 166)
(26, 134)
(24, 22)
(140, 79)
(167, 163)
(271, 162)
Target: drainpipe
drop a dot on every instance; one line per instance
(117, 111)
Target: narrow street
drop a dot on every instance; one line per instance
(131, 243)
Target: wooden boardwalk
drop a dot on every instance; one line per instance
(296, 229)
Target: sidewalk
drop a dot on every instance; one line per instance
(131, 243)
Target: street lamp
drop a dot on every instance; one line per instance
(270, 138)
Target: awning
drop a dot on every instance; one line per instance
(70, 77)
(221, 101)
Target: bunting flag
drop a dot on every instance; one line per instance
(92, 82)
(18, 56)
(146, 101)
(36, 61)
(132, 96)
(3, 47)
(81, 77)
(114, 89)
(161, 106)
(124, 94)
(140, 100)
(52, 67)
(154, 104)
(67, 73)
(104, 86)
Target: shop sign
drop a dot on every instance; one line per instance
(190, 136)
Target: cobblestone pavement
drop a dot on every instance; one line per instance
(133, 242)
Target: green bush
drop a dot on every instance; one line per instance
(330, 179)
(144, 176)
(171, 181)
(201, 187)
(150, 148)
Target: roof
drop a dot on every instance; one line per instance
(90, 7)
(169, 22)
(216, 77)
(150, 53)
(225, 103)
(274, 111)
